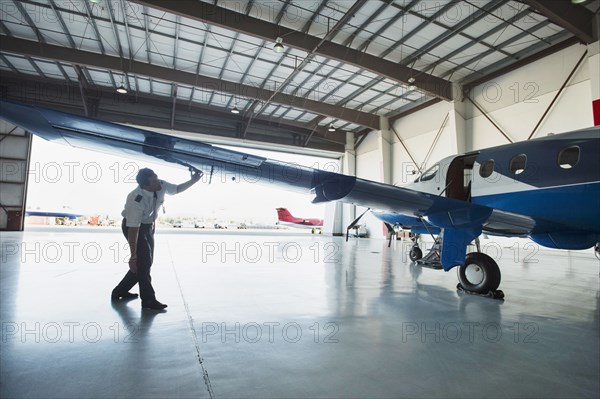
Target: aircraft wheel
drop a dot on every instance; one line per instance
(479, 274)
(415, 254)
(597, 250)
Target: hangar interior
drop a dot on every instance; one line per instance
(386, 88)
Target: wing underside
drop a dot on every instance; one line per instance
(82, 132)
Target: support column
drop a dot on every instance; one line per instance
(594, 65)
(349, 168)
(339, 215)
(385, 145)
(378, 167)
(15, 152)
(464, 138)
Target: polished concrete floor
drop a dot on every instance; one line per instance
(290, 315)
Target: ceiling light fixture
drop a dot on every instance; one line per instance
(235, 110)
(578, 1)
(411, 80)
(278, 47)
(121, 89)
(331, 128)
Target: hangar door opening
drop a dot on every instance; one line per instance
(76, 187)
(15, 146)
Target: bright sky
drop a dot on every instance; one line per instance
(98, 183)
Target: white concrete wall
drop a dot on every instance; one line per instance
(370, 165)
(418, 132)
(516, 101)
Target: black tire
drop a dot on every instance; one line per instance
(480, 273)
(415, 254)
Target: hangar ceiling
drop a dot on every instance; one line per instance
(187, 64)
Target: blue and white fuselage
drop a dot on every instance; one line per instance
(550, 186)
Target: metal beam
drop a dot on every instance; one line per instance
(92, 21)
(143, 30)
(455, 30)
(394, 118)
(499, 69)
(316, 123)
(134, 107)
(62, 71)
(290, 77)
(479, 39)
(259, 48)
(128, 34)
(5, 29)
(174, 95)
(562, 87)
(347, 42)
(115, 30)
(574, 18)
(435, 20)
(63, 25)
(11, 66)
(30, 22)
(82, 86)
(441, 9)
(58, 53)
(489, 118)
(507, 42)
(405, 147)
(237, 22)
(147, 38)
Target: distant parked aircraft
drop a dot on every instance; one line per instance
(286, 218)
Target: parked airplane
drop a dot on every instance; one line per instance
(547, 189)
(63, 213)
(285, 218)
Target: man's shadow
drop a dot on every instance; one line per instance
(136, 323)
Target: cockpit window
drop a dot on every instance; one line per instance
(518, 164)
(430, 173)
(568, 157)
(486, 168)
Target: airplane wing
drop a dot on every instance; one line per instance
(461, 221)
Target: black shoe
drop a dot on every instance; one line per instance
(154, 305)
(115, 296)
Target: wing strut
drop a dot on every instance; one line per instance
(355, 222)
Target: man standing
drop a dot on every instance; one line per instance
(139, 215)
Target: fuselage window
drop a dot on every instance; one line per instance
(518, 164)
(486, 168)
(568, 157)
(430, 173)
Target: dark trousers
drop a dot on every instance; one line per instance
(145, 255)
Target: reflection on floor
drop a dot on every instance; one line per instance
(258, 315)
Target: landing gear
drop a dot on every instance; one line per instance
(415, 253)
(597, 250)
(432, 259)
(480, 275)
